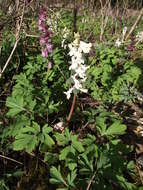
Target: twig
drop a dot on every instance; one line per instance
(72, 108)
(15, 45)
(91, 180)
(11, 159)
(61, 72)
(75, 10)
(104, 17)
(136, 22)
(32, 35)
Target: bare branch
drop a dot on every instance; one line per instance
(135, 24)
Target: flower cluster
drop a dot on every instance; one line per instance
(131, 46)
(53, 21)
(139, 36)
(77, 66)
(118, 41)
(65, 34)
(45, 39)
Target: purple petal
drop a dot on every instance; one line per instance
(43, 14)
(42, 27)
(45, 52)
(42, 40)
(50, 65)
(49, 47)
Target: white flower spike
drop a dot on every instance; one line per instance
(77, 50)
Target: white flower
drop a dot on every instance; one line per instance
(81, 71)
(124, 30)
(59, 126)
(118, 42)
(73, 50)
(139, 36)
(83, 90)
(123, 34)
(68, 93)
(78, 85)
(65, 34)
(86, 47)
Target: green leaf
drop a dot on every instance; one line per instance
(47, 139)
(61, 139)
(27, 142)
(78, 146)
(16, 105)
(21, 121)
(27, 138)
(68, 134)
(103, 160)
(47, 129)
(116, 129)
(71, 177)
(86, 164)
(36, 126)
(140, 188)
(100, 124)
(56, 176)
(64, 152)
(72, 166)
(51, 157)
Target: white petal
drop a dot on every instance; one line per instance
(85, 46)
(68, 93)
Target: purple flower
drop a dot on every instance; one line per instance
(42, 27)
(43, 14)
(131, 47)
(50, 65)
(49, 47)
(42, 40)
(45, 52)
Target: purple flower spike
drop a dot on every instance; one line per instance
(45, 39)
(43, 14)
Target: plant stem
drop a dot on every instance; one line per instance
(11, 159)
(75, 11)
(72, 108)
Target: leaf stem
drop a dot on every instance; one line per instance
(72, 108)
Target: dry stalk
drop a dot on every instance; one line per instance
(90, 182)
(135, 24)
(11, 159)
(105, 9)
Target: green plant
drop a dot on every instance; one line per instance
(114, 76)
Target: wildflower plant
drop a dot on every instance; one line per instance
(77, 65)
(87, 151)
